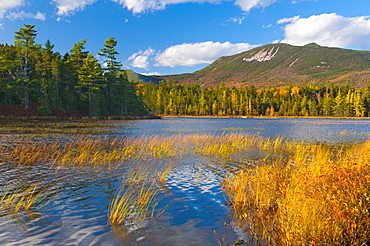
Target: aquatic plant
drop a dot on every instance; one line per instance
(313, 198)
(27, 197)
(135, 202)
(137, 197)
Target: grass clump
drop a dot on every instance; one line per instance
(315, 198)
(25, 198)
(134, 202)
(137, 198)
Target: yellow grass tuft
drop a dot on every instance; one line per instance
(27, 198)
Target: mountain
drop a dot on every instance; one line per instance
(283, 64)
(139, 78)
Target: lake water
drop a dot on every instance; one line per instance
(197, 214)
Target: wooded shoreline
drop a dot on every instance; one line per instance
(264, 117)
(54, 118)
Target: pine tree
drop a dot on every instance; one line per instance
(112, 69)
(25, 42)
(92, 81)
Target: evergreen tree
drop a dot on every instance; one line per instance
(25, 42)
(112, 69)
(91, 80)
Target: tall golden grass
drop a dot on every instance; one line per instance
(27, 198)
(97, 151)
(137, 198)
(316, 198)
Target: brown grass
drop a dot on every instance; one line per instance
(316, 199)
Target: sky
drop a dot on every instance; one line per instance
(182, 36)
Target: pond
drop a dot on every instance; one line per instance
(194, 206)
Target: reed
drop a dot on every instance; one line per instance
(317, 197)
(27, 198)
(82, 150)
(137, 198)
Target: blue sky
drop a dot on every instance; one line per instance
(180, 36)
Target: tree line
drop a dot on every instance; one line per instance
(36, 80)
(171, 98)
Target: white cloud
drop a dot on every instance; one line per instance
(67, 7)
(238, 20)
(328, 30)
(151, 74)
(141, 58)
(10, 4)
(299, 1)
(247, 5)
(287, 20)
(198, 53)
(6, 5)
(24, 15)
(142, 6)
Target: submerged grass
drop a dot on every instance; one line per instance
(316, 198)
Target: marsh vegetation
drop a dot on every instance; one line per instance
(280, 191)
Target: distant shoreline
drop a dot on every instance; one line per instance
(264, 117)
(55, 118)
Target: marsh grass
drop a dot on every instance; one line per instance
(81, 150)
(27, 198)
(135, 202)
(137, 198)
(318, 197)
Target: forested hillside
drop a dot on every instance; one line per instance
(35, 80)
(328, 100)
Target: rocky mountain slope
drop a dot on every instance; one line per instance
(283, 64)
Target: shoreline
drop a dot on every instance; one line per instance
(55, 118)
(264, 117)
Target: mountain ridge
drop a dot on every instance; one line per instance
(283, 64)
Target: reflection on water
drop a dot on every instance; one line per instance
(197, 215)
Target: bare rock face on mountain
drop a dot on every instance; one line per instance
(283, 64)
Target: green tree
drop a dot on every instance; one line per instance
(91, 80)
(359, 104)
(25, 42)
(112, 69)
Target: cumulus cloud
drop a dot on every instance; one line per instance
(10, 4)
(151, 74)
(140, 6)
(247, 5)
(192, 54)
(6, 5)
(24, 15)
(287, 20)
(67, 7)
(328, 30)
(141, 58)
